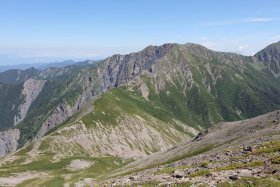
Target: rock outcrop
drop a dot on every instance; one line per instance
(31, 90)
(271, 56)
(120, 69)
(58, 116)
(8, 141)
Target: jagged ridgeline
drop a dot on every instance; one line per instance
(164, 93)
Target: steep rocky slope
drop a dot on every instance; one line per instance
(26, 105)
(8, 141)
(232, 153)
(31, 90)
(220, 137)
(10, 97)
(271, 57)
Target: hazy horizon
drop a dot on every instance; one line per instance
(50, 31)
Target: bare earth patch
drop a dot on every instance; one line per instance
(79, 164)
(144, 91)
(19, 178)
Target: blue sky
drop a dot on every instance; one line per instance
(35, 31)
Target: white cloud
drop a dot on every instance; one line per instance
(253, 20)
(240, 21)
(242, 47)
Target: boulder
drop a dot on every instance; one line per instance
(233, 177)
(177, 174)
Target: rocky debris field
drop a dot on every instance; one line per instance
(239, 163)
(259, 163)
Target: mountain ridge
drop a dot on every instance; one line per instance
(129, 106)
(39, 66)
(120, 69)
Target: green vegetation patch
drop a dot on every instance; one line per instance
(120, 101)
(268, 147)
(28, 182)
(275, 160)
(25, 150)
(58, 169)
(194, 153)
(191, 154)
(240, 165)
(169, 170)
(54, 182)
(204, 164)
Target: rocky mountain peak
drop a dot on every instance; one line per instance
(271, 56)
(119, 69)
(198, 50)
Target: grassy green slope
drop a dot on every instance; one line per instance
(221, 91)
(122, 108)
(52, 170)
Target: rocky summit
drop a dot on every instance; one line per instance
(170, 115)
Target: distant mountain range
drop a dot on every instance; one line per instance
(39, 66)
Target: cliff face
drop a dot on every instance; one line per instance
(22, 96)
(58, 116)
(120, 69)
(31, 90)
(8, 141)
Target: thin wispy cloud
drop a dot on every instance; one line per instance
(240, 21)
(242, 47)
(253, 20)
